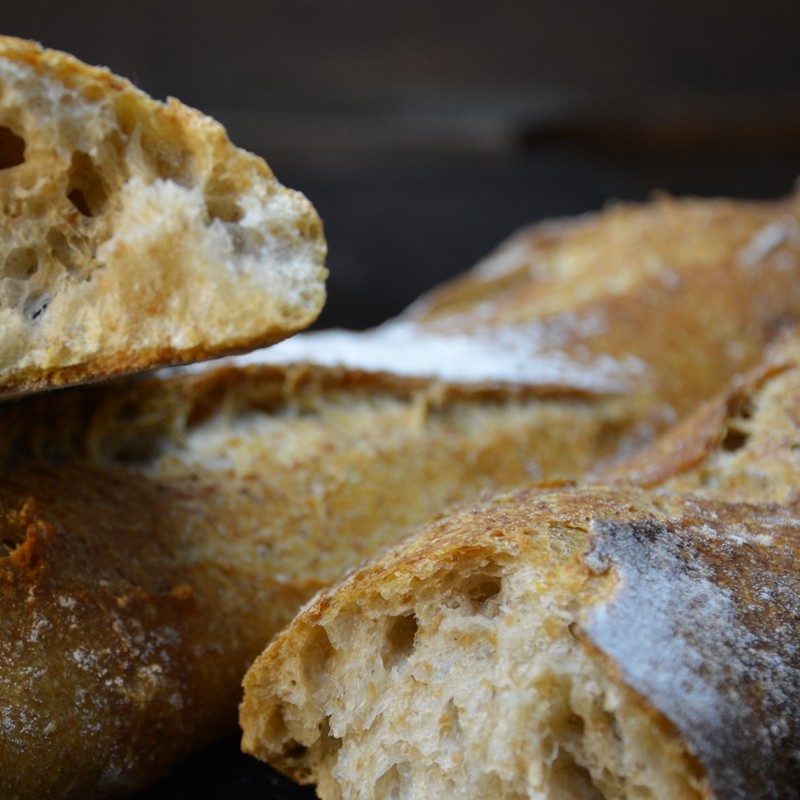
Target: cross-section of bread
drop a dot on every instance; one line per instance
(587, 644)
(132, 233)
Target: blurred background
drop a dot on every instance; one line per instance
(426, 131)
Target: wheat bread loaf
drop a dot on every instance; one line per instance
(133, 234)
(577, 643)
(160, 530)
(664, 301)
(459, 664)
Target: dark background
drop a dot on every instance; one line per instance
(427, 131)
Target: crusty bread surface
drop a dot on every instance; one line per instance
(134, 234)
(742, 445)
(160, 530)
(690, 290)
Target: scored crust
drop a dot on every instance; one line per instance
(588, 644)
(134, 234)
(742, 445)
(668, 298)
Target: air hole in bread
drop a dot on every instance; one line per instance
(449, 725)
(388, 785)
(477, 593)
(294, 750)
(12, 148)
(223, 208)
(219, 193)
(21, 262)
(62, 251)
(35, 306)
(86, 189)
(737, 431)
(8, 545)
(735, 438)
(401, 633)
(11, 538)
(569, 779)
(317, 652)
(479, 589)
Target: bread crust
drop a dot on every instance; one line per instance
(740, 445)
(645, 280)
(134, 233)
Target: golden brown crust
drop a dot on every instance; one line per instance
(134, 233)
(740, 446)
(645, 281)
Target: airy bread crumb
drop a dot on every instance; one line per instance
(134, 234)
(592, 643)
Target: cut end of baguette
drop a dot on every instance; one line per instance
(591, 643)
(134, 234)
(467, 678)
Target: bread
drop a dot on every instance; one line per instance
(689, 290)
(133, 233)
(577, 643)
(743, 445)
(674, 673)
(162, 529)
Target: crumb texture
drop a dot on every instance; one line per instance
(589, 643)
(134, 233)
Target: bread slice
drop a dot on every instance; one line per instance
(160, 530)
(579, 643)
(133, 233)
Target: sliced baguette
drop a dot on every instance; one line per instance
(591, 643)
(385, 686)
(132, 233)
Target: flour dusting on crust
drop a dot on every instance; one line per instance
(694, 628)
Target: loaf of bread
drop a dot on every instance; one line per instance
(160, 530)
(577, 643)
(133, 233)
(661, 302)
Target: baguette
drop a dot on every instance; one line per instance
(162, 529)
(580, 643)
(132, 233)
(385, 686)
(661, 303)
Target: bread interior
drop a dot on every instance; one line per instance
(479, 688)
